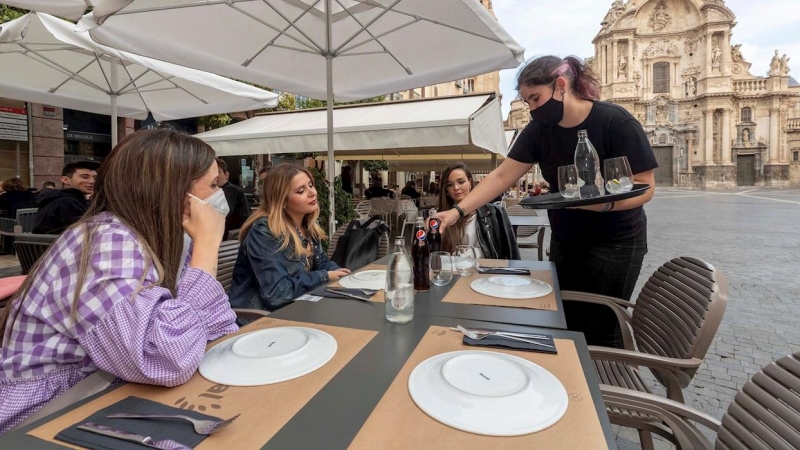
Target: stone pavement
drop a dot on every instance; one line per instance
(754, 238)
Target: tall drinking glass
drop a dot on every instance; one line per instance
(441, 268)
(568, 181)
(465, 260)
(618, 175)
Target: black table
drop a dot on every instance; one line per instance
(430, 303)
(333, 417)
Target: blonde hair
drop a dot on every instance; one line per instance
(274, 197)
(143, 183)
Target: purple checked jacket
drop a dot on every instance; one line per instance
(147, 337)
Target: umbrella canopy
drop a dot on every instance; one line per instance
(48, 62)
(327, 49)
(68, 9)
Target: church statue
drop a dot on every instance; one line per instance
(716, 56)
(785, 65)
(775, 65)
(622, 62)
(746, 136)
(736, 53)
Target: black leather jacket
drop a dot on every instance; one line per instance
(495, 234)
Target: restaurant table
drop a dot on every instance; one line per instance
(333, 417)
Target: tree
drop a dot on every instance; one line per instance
(8, 13)
(376, 166)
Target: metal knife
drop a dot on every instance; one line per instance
(347, 294)
(147, 441)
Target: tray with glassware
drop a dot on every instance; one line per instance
(558, 201)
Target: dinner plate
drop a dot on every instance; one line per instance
(489, 393)
(514, 287)
(366, 279)
(268, 356)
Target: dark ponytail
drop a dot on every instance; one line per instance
(545, 69)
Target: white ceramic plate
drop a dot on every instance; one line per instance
(268, 356)
(488, 393)
(366, 279)
(511, 286)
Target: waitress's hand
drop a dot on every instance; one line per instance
(335, 275)
(447, 218)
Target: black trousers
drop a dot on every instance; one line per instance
(610, 268)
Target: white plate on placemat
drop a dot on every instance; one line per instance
(268, 356)
(511, 286)
(366, 279)
(488, 393)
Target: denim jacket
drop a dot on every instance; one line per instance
(265, 277)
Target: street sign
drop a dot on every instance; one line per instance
(13, 124)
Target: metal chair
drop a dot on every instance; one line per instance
(363, 209)
(26, 217)
(383, 244)
(226, 259)
(30, 247)
(764, 415)
(411, 213)
(527, 231)
(672, 324)
(6, 235)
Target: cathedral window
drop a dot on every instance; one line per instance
(747, 115)
(661, 78)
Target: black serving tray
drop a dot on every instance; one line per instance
(557, 201)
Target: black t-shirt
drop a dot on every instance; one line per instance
(613, 132)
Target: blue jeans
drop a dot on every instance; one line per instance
(609, 268)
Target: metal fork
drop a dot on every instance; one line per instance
(478, 335)
(201, 426)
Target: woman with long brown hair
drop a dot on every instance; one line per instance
(281, 256)
(115, 292)
(487, 229)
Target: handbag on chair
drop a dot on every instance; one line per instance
(359, 244)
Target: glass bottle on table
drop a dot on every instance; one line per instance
(590, 180)
(420, 255)
(399, 297)
(434, 236)
(400, 245)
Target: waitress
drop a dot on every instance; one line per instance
(598, 248)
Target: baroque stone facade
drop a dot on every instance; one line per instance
(711, 122)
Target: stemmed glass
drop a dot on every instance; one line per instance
(466, 261)
(441, 268)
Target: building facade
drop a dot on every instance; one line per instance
(711, 122)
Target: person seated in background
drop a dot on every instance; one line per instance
(48, 185)
(433, 188)
(114, 292)
(281, 255)
(15, 196)
(377, 191)
(60, 208)
(411, 190)
(238, 208)
(487, 230)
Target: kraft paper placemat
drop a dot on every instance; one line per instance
(493, 262)
(379, 296)
(264, 409)
(397, 422)
(462, 293)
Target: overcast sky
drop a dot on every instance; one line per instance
(564, 27)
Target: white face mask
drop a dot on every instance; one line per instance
(217, 201)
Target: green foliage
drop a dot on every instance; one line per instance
(8, 13)
(344, 213)
(215, 121)
(308, 103)
(376, 166)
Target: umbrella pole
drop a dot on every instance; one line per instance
(329, 73)
(113, 86)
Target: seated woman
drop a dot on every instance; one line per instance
(113, 292)
(411, 190)
(487, 229)
(16, 195)
(281, 256)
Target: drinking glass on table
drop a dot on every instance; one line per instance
(441, 268)
(568, 181)
(618, 175)
(465, 260)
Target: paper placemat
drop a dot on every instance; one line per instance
(493, 262)
(462, 293)
(379, 296)
(264, 409)
(397, 422)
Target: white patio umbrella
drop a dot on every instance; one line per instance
(327, 49)
(68, 9)
(45, 61)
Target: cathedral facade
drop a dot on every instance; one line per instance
(711, 122)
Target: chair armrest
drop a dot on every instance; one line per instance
(643, 359)
(630, 399)
(244, 313)
(619, 307)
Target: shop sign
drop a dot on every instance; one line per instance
(87, 137)
(48, 111)
(13, 124)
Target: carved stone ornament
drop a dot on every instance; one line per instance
(690, 45)
(691, 71)
(736, 69)
(661, 48)
(660, 18)
(736, 53)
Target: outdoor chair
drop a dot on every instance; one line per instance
(410, 214)
(668, 329)
(765, 414)
(26, 218)
(6, 231)
(30, 247)
(363, 209)
(527, 231)
(382, 207)
(228, 251)
(383, 245)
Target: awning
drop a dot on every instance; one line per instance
(439, 128)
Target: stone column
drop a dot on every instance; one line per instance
(709, 51)
(48, 143)
(725, 64)
(614, 60)
(774, 136)
(726, 135)
(690, 152)
(708, 151)
(629, 74)
(602, 64)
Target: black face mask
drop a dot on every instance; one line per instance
(550, 113)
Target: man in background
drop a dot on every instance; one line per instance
(60, 208)
(237, 202)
